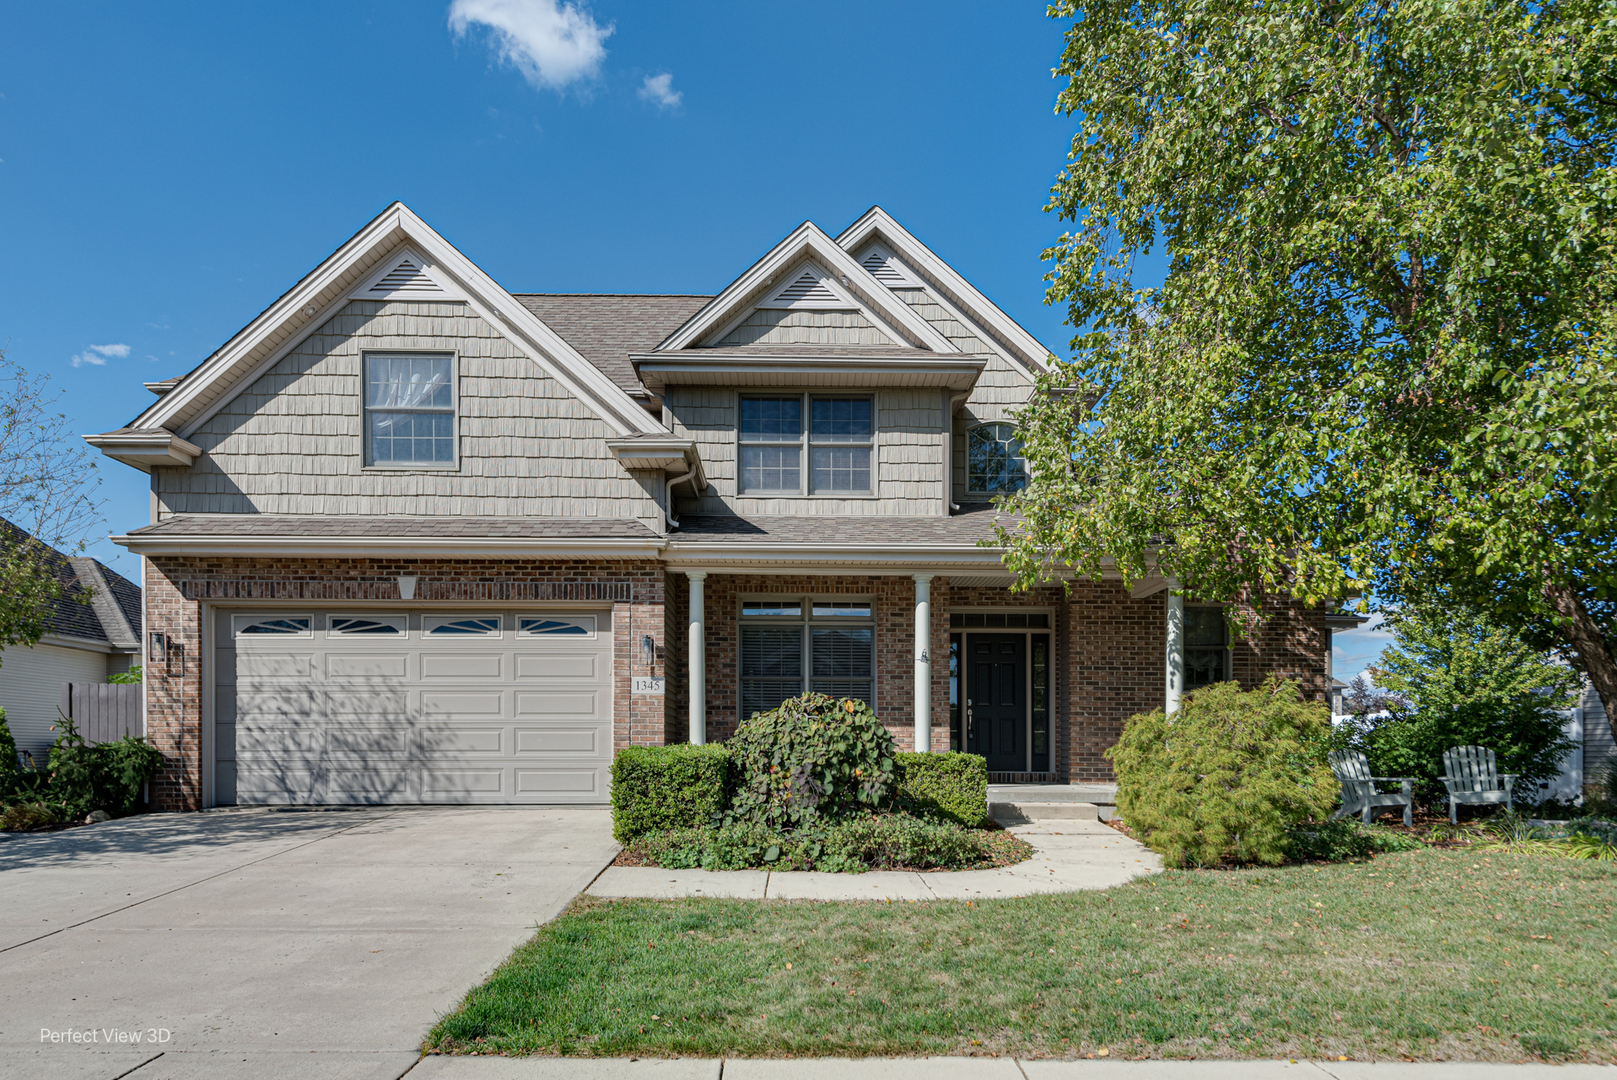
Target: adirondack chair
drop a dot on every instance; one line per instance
(1359, 794)
(1472, 776)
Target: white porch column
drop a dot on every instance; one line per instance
(1176, 649)
(923, 663)
(696, 644)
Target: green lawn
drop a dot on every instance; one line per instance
(1430, 954)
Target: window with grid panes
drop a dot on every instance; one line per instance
(409, 409)
(1206, 647)
(839, 436)
(790, 645)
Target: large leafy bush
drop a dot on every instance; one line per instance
(667, 787)
(1227, 776)
(814, 758)
(1459, 679)
(863, 842)
(949, 787)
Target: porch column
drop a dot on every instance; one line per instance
(923, 663)
(696, 644)
(1176, 649)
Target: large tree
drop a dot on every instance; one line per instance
(1381, 360)
(47, 485)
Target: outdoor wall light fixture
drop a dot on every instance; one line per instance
(165, 651)
(406, 586)
(648, 651)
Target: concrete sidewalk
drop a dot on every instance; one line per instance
(953, 1068)
(1069, 855)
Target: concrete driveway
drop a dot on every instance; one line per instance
(315, 943)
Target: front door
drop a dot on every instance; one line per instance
(996, 700)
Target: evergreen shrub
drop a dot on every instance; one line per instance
(1228, 776)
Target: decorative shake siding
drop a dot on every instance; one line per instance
(925, 305)
(909, 456)
(292, 442)
(774, 326)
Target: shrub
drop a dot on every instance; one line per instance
(23, 816)
(949, 787)
(812, 759)
(667, 787)
(1227, 777)
(9, 763)
(133, 675)
(873, 841)
(106, 776)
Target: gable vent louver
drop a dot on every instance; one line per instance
(885, 269)
(405, 279)
(807, 290)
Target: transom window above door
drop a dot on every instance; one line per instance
(994, 461)
(409, 409)
(839, 437)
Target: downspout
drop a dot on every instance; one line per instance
(670, 522)
(953, 402)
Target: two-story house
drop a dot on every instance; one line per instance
(417, 538)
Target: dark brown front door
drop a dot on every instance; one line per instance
(996, 700)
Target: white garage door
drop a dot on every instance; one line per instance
(426, 707)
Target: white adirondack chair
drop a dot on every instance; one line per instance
(1471, 773)
(1359, 794)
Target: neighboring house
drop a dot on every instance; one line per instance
(418, 538)
(93, 634)
(1599, 753)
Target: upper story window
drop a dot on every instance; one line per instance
(1206, 646)
(840, 436)
(409, 409)
(994, 461)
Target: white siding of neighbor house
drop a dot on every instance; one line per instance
(909, 456)
(1599, 752)
(31, 689)
(779, 326)
(291, 443)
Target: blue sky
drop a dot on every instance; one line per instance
(166, 171)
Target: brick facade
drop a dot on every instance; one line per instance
(1109, 645)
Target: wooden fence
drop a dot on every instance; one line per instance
(104, 712)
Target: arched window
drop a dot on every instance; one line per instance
(994, 460)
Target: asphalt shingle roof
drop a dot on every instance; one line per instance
(606, 328)
(73, 617)
(964, 528)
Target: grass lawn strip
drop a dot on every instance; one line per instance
(1445, 954)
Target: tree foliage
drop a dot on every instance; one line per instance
(1461, 679)
(46, 498)
(1382, 357)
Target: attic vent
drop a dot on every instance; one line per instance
(885, 269)
(808, 290)
(405, 279)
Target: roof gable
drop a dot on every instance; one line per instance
(836, 272)
(377, 255)
(877, 237)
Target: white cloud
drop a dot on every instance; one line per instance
(100, 354)
(660, 89)
(553, 44)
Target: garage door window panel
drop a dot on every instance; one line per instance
(551, 626)
(274, 625)
(462, 626)
(366, 626)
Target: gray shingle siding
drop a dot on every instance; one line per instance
(291, 443)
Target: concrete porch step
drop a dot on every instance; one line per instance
(1021, 812)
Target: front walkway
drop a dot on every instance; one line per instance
(1069, 855)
